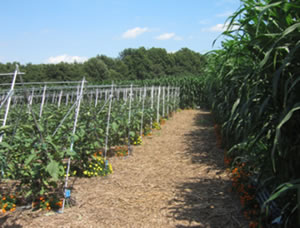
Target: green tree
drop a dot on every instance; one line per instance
(96, 70)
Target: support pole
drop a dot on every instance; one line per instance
(108, 120)
(143, 107)
(43, 101)
(129, 119)
(158, 102)
(80, 95)
(9, 98)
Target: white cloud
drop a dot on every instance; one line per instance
(168, 36)
(66, 58)
(165, 36)
(220, 28)
(217, 28)
(225, 14)
(133, 33)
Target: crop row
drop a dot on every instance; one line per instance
(39, 152)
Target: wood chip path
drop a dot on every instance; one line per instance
(175, 179)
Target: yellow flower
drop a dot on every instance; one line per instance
(110, 168)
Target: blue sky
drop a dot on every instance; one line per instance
(49, 31)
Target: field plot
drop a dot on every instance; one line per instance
(50, 133)
(176, 178)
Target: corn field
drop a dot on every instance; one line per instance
(253, 88)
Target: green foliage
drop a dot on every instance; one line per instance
(34, 151)
(191, 88)
(252, 86)
(132, 64)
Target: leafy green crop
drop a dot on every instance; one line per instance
(34, 151)
(252, 86)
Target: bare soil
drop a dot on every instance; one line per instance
(175, 179)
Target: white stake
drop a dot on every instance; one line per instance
(96, 98)
(80, 95)
(108, 120)
(43, 101)
(152, 94)
(59, 98)
(142, 118)
(9, 98)
(163, 113)
(158, 101)
(129, 119)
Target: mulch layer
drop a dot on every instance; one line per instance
(176, 178)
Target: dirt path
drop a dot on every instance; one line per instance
(175, 179)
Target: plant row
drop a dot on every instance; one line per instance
(252, 86)
(34, 152)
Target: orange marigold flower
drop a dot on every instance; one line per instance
(253, 224)
(59, 203)
(3, 198)
(12, 209)
(235, 170)
(3, 210)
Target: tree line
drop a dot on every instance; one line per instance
(131, 64)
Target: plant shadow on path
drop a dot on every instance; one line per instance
(11, 225)
(204, 200)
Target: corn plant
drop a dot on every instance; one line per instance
(252, 85)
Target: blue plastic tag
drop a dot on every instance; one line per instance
(67, 193)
